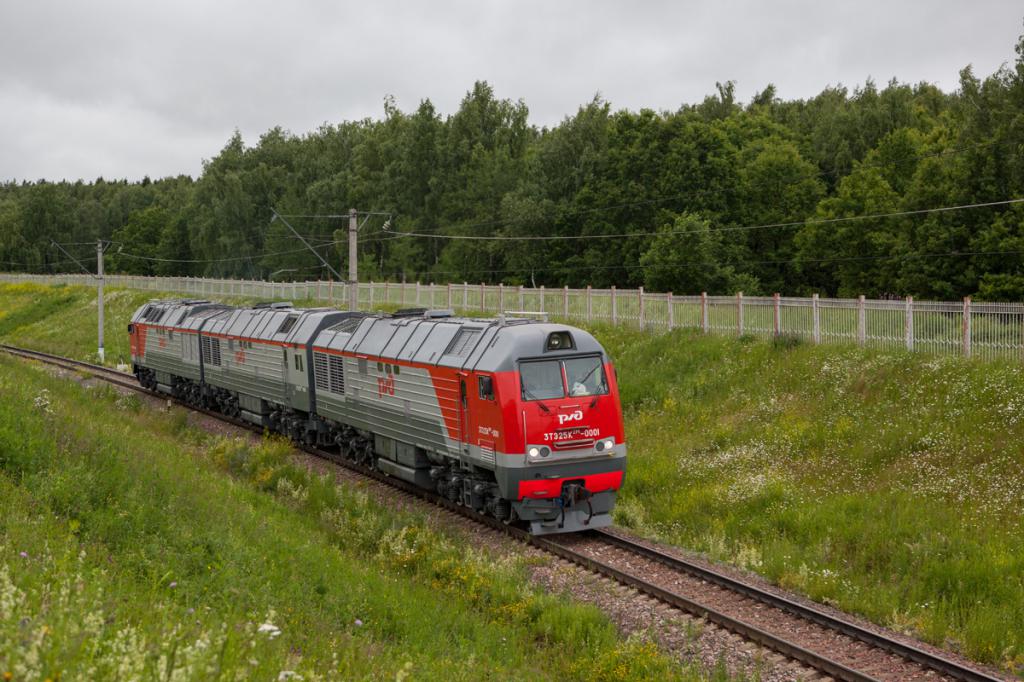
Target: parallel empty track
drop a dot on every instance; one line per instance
(819, 640)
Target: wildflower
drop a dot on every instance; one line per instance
(359, 623)
(42, 402)
(174, 583)
(269, 629)
(23, 555)
(288, 675)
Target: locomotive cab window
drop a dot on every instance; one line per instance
(549, 379)
(486, 387)
(585, 376)
(542, 380)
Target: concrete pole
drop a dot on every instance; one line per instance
(353, 270)
(99, 296)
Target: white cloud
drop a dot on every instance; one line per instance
(127, 89)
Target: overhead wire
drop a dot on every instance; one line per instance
(682, 264)
(731, 228)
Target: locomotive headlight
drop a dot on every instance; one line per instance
(539, 452)
(606, 444)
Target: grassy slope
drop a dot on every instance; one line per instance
(888, 484)
(885, 483)
(134, 547)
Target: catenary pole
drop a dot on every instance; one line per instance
(353, 269)
(99, 295)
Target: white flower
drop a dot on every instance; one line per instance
(269, 629)
(288, 675)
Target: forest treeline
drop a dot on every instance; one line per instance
(718, 196)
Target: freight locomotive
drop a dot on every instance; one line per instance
(516, 418)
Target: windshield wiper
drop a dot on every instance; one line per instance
(529, 394)
(590, 373)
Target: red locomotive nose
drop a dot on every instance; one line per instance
(571, 423)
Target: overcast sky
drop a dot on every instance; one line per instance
(126, 89)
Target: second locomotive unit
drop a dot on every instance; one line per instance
(515, 418)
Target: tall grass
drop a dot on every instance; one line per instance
(888, 484)
(134, 547)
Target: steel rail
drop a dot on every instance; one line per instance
(928, 659)
(819, 662)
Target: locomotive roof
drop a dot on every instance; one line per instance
(489, 345)
(274, 322)
(173, 312)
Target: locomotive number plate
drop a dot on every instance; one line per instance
(571, 434)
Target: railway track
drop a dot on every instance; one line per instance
(830, 645)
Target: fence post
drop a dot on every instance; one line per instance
(565, 301)
(449, 295)
(483, 298)
(816, 315)
(739, 313)
(967, 326)
(908, 325)
(861, 321)
(704, 323)
(615, 309)
(640, 293)
(521, 304)
(542, 298)
(777, 316)
(465, 295)
(671, 311)
(590, 304)
(501, 298)
(417, 292)
(387, 299)
(370, 305)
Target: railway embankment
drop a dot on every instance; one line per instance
(137, 546)
(883, 483)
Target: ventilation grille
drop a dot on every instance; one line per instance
(330, 373)
(487, 451)
(463, 343)
(211, 350)
(287, 325)
(320, 371)
(153, 314)
(337, 374)
(348, 326)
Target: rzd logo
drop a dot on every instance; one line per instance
(385, 386)
(576, 416)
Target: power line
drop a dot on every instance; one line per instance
(734, 228)
(234, 259)
(682, 264)
(823, 221)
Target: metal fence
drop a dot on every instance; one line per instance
(986, 330)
